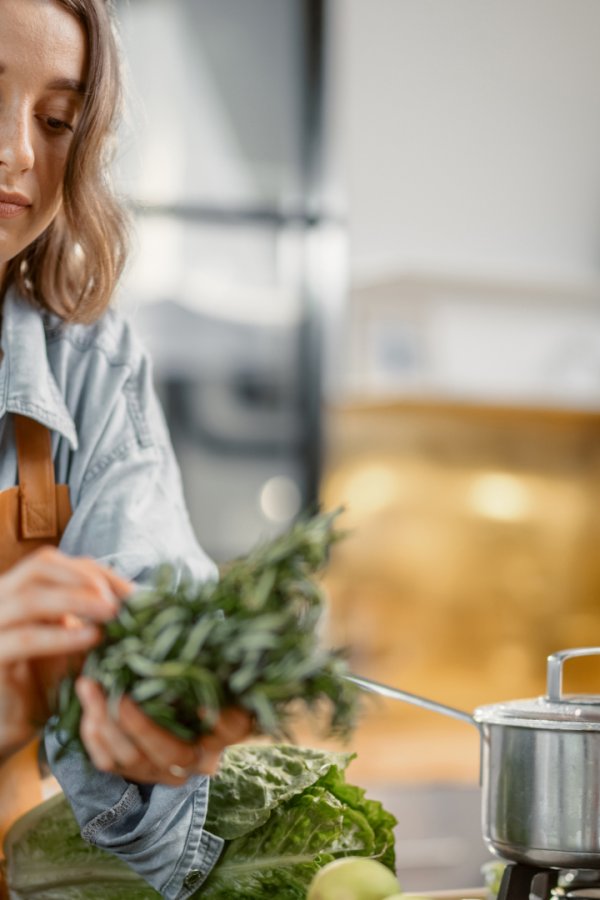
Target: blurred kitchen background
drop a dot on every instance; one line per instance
(367, 266)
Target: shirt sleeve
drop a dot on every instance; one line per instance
(129, 512)
(157, 830)
(126, 492)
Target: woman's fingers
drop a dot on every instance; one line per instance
(136, 748)
(52, 564)
(49, 604)
(233, 725)
(161, 748)
(164, 758)
(48, 585)
(121, 586)
(121, 748)
(108, 745)
(57, 566)
(172, 759)
(31, 641)
(98, 574)
(167, 752)
(90, 728)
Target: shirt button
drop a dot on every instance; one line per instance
(193, 878)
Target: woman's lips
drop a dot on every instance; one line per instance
(10, 210)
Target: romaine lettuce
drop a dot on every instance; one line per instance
(283, 811)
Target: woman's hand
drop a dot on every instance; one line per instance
(50, 608)
(134, 747)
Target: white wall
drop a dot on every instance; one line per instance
(468, 132)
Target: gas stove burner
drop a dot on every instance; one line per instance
(585, 890)
(520, 882)
(580, 883)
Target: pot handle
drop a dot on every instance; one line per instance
(386, 691)
(555, 671)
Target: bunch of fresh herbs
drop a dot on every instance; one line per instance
(250, 639)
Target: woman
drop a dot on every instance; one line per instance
(90, 493)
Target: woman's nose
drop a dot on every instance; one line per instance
(16, 145)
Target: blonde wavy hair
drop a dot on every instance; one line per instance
(72, 268)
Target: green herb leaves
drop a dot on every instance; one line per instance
(250, 639)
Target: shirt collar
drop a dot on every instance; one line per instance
(27, 384)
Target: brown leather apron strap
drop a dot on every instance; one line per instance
(37, 486)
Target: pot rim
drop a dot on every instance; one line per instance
(556, 711)
(576, 714)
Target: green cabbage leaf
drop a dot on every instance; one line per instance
(47, 859)
(326, 819)
(254, 780)
(284, 812)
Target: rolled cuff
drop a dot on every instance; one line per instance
(157, 830)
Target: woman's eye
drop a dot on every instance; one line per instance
(57, 126)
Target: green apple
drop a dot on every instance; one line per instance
(353, 878)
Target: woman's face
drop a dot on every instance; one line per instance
(43, 58)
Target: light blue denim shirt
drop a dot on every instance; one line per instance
(92, 386)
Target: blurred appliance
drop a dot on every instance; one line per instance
(241, 259)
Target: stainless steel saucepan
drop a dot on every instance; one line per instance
(540, 770)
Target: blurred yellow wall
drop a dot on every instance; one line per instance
(474, 551)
